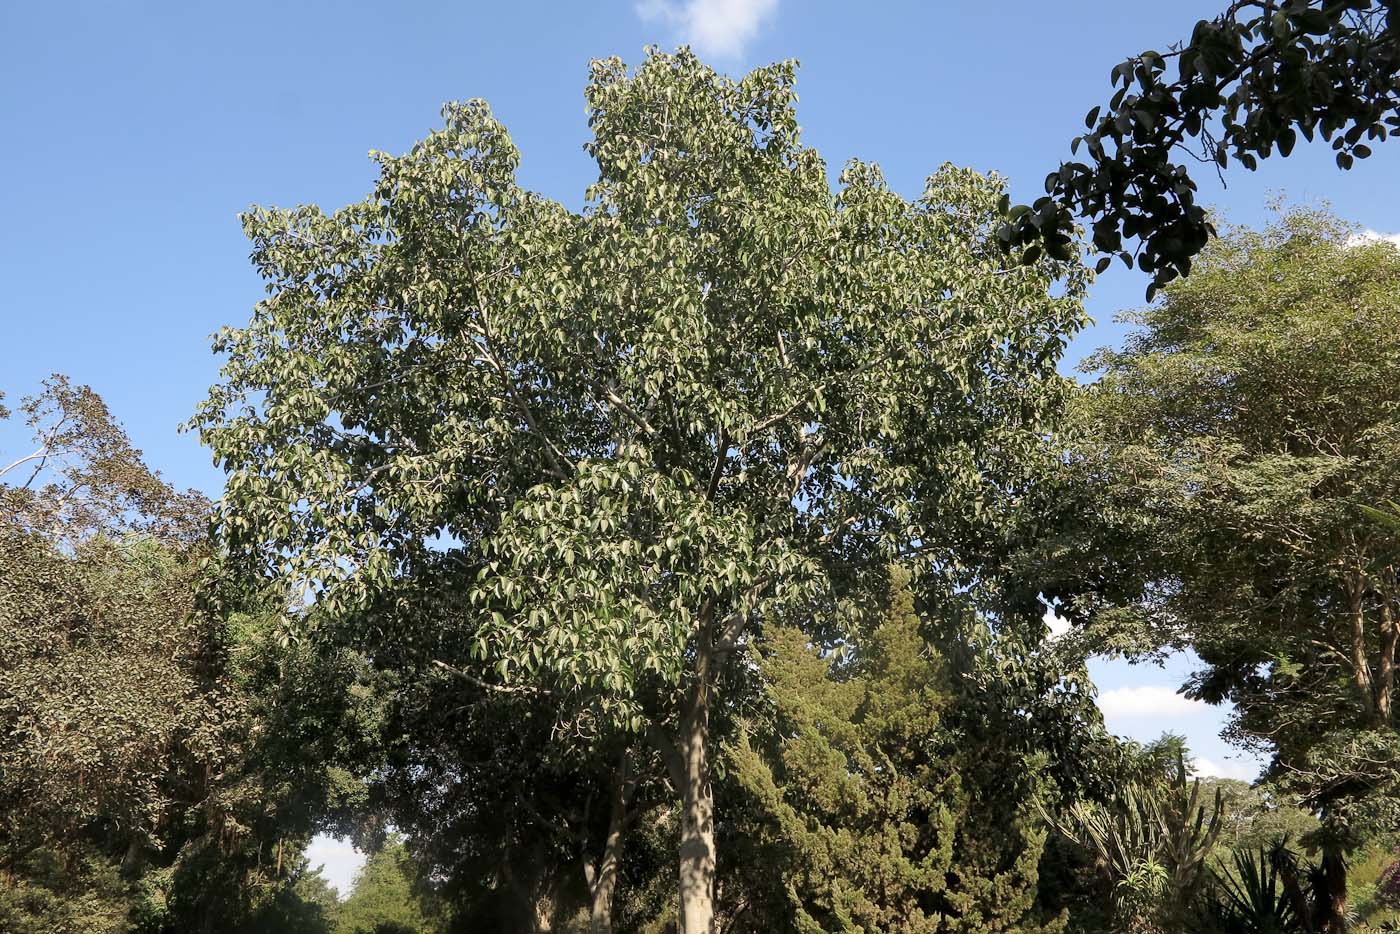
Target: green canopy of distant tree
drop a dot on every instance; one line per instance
(384, 899)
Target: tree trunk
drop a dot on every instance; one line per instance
(1385, 676)
(132, 860)
(602, 881)
(1331, 902)
(697, 850)
(525, 904)
(1360, 662)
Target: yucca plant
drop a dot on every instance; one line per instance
(1268, 890)
(1251, 896)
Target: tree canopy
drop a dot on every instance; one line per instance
(1237, 437)
(704, 402)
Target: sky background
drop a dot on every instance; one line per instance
(134, 133)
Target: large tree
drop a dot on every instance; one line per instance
(1248, 82)
(719, 395)
(1234, 442)
(106, 704)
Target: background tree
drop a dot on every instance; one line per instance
(712, 398)
(1253, 79)
(387, 898)
(1236, 437)
(108, 711)
(141, 784)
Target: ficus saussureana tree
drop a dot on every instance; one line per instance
(719, 393)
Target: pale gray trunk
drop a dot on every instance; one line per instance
(697, 849)
(1385, 677)
(132, 859)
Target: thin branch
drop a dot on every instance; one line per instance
(517, 689)
(43, 452)
(670, 755)
(721, 458)
(734, 626)
(557, 459)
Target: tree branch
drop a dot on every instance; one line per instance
(516, 689)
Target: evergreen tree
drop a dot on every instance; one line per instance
(868, 811)
(387, 898)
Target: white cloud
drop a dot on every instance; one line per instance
(338, 859)
(1148, 700)
(714, 27)
(1371, 236)
(1244, 771)
(1058, 626)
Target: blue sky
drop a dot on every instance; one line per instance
(135, 132)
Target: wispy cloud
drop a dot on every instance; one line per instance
(1148, 701)
(1371, 236)
(714, 27)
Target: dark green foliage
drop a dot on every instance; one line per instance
(307, 905)
(866, 808)
(1252, 80)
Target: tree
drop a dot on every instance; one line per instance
(1253, 79)
(870, 809)
(309, 905)
(385, 899)
(142, 780)
(107, 707)
(84, 480)
(1236, 437)
(718, 396)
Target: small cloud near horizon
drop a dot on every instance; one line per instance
(714, 27)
